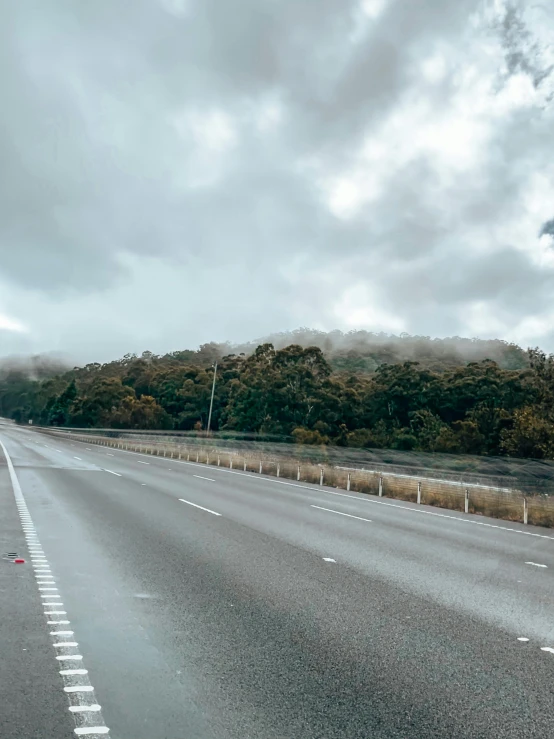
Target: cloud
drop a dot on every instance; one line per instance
(179, 171)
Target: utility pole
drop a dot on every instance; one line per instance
(211, 401)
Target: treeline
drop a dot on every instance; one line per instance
(474, 408)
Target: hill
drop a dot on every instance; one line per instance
(352, 389)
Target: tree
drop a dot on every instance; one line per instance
(60, 411)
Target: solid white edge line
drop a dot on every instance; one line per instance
(41, 563)
(199, 506)
(339, 513)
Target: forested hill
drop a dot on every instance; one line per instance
(354, 389)
(363, 351)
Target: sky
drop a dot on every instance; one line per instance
(174, 172)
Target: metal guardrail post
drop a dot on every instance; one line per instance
(525, 511)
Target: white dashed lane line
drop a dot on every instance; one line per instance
(113, 473)
(204, 478)
(86, 713)
(535, 564)
(339, 513)
(360, 499)
(199, 506)
(141, 462)
(79, 458)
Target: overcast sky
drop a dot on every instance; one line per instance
(179, 171)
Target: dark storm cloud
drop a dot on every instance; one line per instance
(105, 113)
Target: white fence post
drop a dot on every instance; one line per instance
(321, 476)
(218, 461)
(348, 482)
(525, 511)
(260, 466)
(245, 465)
(278, 469)
(419, 493)
(380, 486)
(466, 501)
(197, 453)
(230, 463)
(298, 473)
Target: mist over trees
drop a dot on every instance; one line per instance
(356, 389)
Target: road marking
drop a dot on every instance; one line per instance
(141, 462)
(110, 455)
(199, 506)
(61, 633)
(78, 689)
(535, 564)
(328, 559)
(547, 649)
(113, 473)
(204, 478)
(41, 566)
(360, 498)
(349, 515)
(59, 450)
(78, 709)
(432, 513)
(57, 623)
(88, 450)
(79, 458)
(83, 731)
(522, 638)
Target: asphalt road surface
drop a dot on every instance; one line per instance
(210, 604)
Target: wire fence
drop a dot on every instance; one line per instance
(497, 501)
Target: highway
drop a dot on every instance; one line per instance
(212, 604)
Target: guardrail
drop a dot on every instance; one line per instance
(503, 503)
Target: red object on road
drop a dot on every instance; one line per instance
(19, 561)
